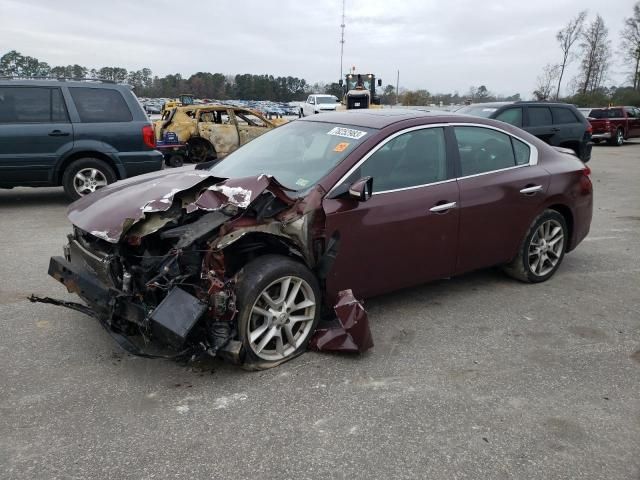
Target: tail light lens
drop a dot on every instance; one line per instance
(586, 171)
(590, 129)
(149, 136)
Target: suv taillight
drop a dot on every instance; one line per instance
(149, 136)
(590, 128)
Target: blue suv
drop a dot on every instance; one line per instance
(78, 134)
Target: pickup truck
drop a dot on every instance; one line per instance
(318, 103)
(614, 124)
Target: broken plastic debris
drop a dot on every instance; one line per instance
(351, 334)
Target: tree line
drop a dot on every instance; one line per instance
(588, 43)
(202, 84)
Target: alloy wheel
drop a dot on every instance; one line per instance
(88, 180)
(545, 248)
(281, 318)
(620, 137)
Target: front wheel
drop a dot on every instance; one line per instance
(279, 307)
(85, 176)
(542, 249)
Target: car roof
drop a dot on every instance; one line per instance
(374, 118)
(487, 104)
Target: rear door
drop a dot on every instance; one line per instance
(539, 122)
(501, 191)
(219, 128)
(633, 117)
(34, 132)
(406, 233)
(571, 128)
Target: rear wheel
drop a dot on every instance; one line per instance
(279, 308)
(618, 139)
(542, 249)
(200, 151)
(85, 176)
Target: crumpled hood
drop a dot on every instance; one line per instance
(111, 211)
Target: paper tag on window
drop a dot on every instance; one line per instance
(347, 133)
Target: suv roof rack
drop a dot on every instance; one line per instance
(62, 79)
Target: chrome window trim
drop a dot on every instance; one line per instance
(533, 155)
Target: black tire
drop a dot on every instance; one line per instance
(521, 268)
(174, 160)
(618, 139)
(258, 276)
(71, 184)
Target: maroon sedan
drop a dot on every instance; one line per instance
(242, 257)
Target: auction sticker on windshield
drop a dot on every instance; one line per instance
(347, 133)
(341, 147)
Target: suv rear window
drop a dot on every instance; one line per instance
(96, 105)
(563, 115)
(606, 113)
(32, 105)
(539, 116)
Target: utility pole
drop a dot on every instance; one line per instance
(342, 25)
(397, 86)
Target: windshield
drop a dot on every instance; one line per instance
(326, 99)
(477, 110)
(297, 154)
(365, 81)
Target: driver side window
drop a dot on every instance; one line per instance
(409, 160)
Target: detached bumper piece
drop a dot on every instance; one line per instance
(175, 316)
(351, 334)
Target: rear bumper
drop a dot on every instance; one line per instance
(138, 163)
(601, 136)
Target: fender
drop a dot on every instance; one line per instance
(90, 146)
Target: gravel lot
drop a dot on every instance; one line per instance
(474, 377)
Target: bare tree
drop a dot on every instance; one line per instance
(630, 44)
(546, 81)
(566, 37)
(595, 46)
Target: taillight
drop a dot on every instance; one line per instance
(586, 171)
(149, 136)
(586, 186)
(590, 129)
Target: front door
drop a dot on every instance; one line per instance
(539, 122)
(406, 233)
(34, 132)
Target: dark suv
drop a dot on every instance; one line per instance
(558, 124)
(78, 134)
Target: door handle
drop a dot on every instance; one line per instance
(530, 190)
(555, 129)
(58, 133)
(441, 207)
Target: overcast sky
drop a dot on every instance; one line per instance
(438, 45)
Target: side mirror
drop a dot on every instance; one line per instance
(361, 190)
(379, 82)
(340, 82)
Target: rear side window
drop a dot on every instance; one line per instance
(539, 116)
(97, 105)
(483, 150)
(521, 151)
(32, 105)
(512, 116)
(563, 115)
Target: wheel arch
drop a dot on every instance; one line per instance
(85, 154)
(255, 244)
(567, 214)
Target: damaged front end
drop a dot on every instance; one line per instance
(161, 268)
